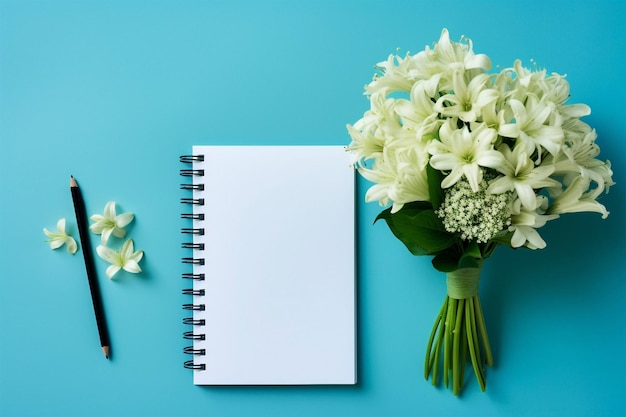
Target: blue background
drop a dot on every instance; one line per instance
(113, 92)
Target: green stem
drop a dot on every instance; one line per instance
(475, 335)
(464, 352)
(459, 328)
(473, 343)
(428, 360)
(456, 385)
(447, 343)
(482, 329)
(440, 336)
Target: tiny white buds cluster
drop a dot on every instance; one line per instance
(476, 215)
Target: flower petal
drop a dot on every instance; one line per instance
(444, 161)
(61, 225)
(98, 227)
(127, 249)
(109, 210)
(118, 232)
(137, 256)
(107, 254)
(72, 247)
(112, 270)
(106, 234)
(124, 219)
(132, 266)
(56, 243)
(526, 195)
(452, 178)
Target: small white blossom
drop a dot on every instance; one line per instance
(110, 223)
(476, 215)
(60, 238)
(126, 258)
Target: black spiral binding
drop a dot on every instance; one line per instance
(195, 334)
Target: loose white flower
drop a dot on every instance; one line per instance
(110, 223)
(60, 238)
(126, 258)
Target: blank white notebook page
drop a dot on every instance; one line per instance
(279, 251)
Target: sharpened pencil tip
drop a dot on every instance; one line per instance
(73, 181)
(105, 349)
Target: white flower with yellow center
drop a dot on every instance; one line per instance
(521, 175)
(468, 99)
(60, 238)
(399, 177)
(463, 153)
(110, 223)
(525, 222)
(126, 258)
(530, 128)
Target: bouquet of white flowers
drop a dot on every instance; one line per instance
(468, 160)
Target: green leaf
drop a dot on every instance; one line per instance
(434, 186)
(446, 261)
(470, 257)
(418, 227)
(468, 262)
(503, 238)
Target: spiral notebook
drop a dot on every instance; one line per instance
(270, 233)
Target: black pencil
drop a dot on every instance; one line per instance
(81, 219)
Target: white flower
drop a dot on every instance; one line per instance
(60, 238)
(395, 75)
(477, 215)
(399, 73)
(418, 113)
(581, 151)
(521, 175)
(525, 222)
(110, 223)
(399, 177)
(530, 128)
(463, 153)
(512, 130)
(450, 56)
(126, 258)
(578, 197)
(467, 100)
